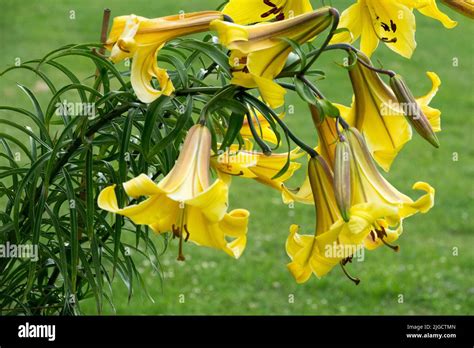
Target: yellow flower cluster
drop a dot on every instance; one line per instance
(356, 207)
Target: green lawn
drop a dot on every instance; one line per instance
(431, 279)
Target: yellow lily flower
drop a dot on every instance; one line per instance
(185, 202)
(248, 163)
(258, 54)
(389, 21)
(318, 253)
(376, 112)
(254, 11)
(142, 38)
(327, 138)
(370, 187)
(375, 216)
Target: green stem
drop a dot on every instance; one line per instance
(259, 104)
(265, 148)
(220, 93)
(349, 48)
(195, 90)
(312, 87)
(335, 23)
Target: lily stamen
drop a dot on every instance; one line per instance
(354, 279)
(187, 232)
(180, 249)
(347, 260)
(381, 234)
(395, 248)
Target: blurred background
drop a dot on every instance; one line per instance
(432, 273)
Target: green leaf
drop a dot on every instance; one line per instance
(181, 122)
(297, 49)
(210, 50)
(328, 108)
(74, 227)
(179, 67)
(233, 129)
(304, 92)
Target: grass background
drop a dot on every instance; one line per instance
(431, 279)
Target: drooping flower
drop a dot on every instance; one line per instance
(379, 115)
(254, 11)
(185, 201)
(142, 38)
(369, 187)
(327, 139)
(389, 21)
(259, 54)
(375, 216)
(247, 163)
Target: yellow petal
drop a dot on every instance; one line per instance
(121, 40)
(229, 32)
(107, 199)
(369, 40)
(430, 9)
(144, 68)
(299, 249)
(142, 185)
(433, 115)
(190, 175)
(379, 117)
(213, 201)
(272, 93)
(213, 234)
(294, 8)
(422, 204)
(350, 19)
(250, 11)
(303, 194)
(394, 21)
(235, 225)
(149, 212)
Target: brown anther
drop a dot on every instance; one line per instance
(372, 235)
(187, 232)
(395, 248)
(346, 260)
(381, 234)
(175, 231)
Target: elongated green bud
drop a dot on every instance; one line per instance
(342, 178)
(412, 110)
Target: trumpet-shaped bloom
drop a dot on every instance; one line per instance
(327, 138)
(185, 201)
(254, 11)
(255, 165)
(375, 216)
(142, 38)
(259, 54)
(380, 117)
(389, 21)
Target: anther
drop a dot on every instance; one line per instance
(354, 279)
(187, 232)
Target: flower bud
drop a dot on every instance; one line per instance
(464, 7)
(342, 178)
(412, 110)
